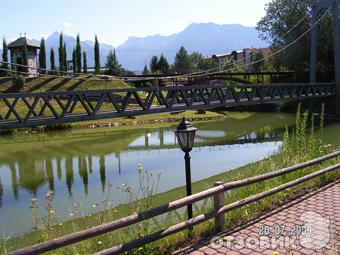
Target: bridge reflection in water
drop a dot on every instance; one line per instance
(78, 165)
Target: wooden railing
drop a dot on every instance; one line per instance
(218, 212)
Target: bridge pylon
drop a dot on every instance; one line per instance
(335, 10)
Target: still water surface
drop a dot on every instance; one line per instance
(77, 164)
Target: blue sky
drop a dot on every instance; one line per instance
(114, 21)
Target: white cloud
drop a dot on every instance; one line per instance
(66, 24)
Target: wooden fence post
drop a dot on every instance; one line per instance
(219, 202)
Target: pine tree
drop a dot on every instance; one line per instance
(84, 62)
(52, 60)
(74, 60)
(61, 53)
(146, 70)
(96, 56)
(65, 57)
(4, 53)
(182, 61)
(259, 62)
(78, 53)
(24, 57)
(154, 64)
(112, 64)
(163, 65)
(42, 55)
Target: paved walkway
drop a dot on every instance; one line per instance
(307, 225)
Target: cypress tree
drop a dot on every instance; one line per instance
(96, 56)
(42, 55)
(24, 57)
(52, 60)
(61, 53)
(146, 70)
(74, 60)
(78, 52)
(182, 61)
(4, 53)
(114, 68)
(84, 62)
(163, 65)
(154, 64)
(65, 57)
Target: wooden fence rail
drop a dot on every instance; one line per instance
(220, 209)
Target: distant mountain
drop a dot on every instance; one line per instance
(207, 38)
(53, 42)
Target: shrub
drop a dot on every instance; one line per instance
(18, 82)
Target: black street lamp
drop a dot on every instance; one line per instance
(185, 134)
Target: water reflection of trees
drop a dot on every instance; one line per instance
(205, 138)
(74, 157)
(31, 175)
(1, 192)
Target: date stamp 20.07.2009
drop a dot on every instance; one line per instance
(283, 230)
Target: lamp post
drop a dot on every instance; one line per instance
(185, 134)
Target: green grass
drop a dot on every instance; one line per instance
(44, 84)
(154, 119)
(298, 147)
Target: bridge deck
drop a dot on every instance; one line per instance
(320, 210)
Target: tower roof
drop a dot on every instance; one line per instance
(21, 42)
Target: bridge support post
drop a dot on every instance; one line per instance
(314, 44)
(336, 31)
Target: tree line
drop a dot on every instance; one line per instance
(196, 62)
(183, 62)
(79, 58)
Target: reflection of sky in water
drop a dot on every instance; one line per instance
(168, 138)
(155, 138)
(210, 133)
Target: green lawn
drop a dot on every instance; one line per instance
(44, 84)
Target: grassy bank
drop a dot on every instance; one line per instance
(151, 119)
(144, 121)
(297, 148)
(45, 84)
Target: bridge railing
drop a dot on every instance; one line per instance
(218, 213)
(19, 110)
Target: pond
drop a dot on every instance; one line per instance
(77, 164)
